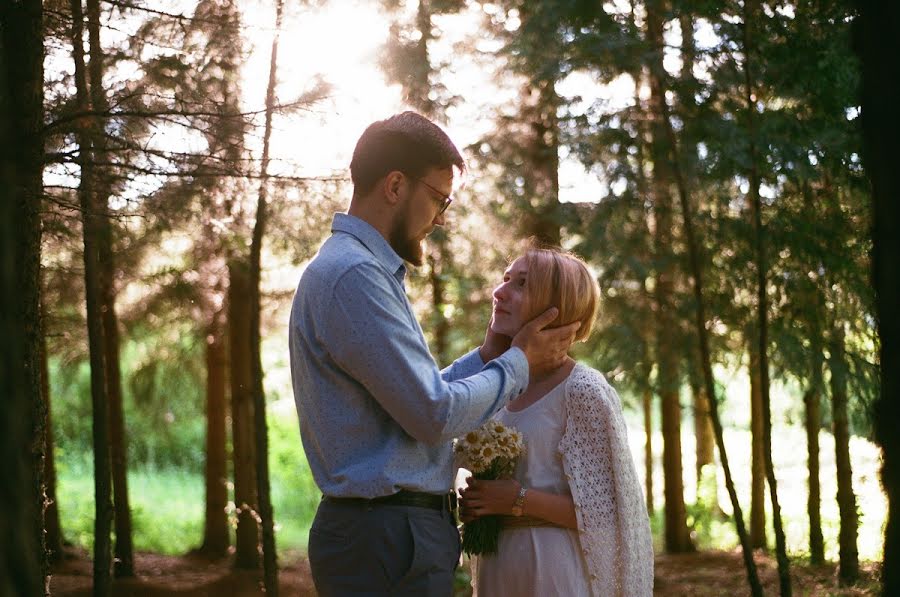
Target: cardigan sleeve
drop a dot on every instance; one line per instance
(613, 526)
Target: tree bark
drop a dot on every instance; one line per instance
(812, 404)
(539, 104)
(750, 14)
(848, 571)
(53, 529)
(812, 398)
(243, 456)
(648, 447)
(758, 538)
(99, 400)
(215, 527)
(270, 557)
(123, 559)
(677, 534)
(438, 257)
(23, 562)
(654, 28)
(877, 36)
(703, 431)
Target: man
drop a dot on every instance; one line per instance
(376, 415)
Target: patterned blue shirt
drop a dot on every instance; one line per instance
(376, 414)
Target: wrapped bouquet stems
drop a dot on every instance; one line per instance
(490, 452)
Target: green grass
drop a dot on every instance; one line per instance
(167, 504)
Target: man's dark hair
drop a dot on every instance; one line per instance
(407, 142)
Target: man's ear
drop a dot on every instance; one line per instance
(393, 186)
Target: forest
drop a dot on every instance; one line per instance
(728, 170)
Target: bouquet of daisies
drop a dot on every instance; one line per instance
(489, 452)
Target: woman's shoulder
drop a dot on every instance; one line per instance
(588, 377)
(587, 384)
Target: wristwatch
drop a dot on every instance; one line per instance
(519, 505)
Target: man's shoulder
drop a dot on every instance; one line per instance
(341, 254)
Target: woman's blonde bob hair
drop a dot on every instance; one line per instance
(560, 279)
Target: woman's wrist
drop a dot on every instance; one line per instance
(518, 505)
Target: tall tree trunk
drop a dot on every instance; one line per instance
(812, 398)
(646, 297)
(123, 560)
(538, 107)
(215, 527)
(849, 557)
(812, 401)
(758, 538)
(242, 421)
(654, 28)
(438, 258)
(703, 431)
(90, 230)
(648, 446)
(677, 535)
(877, 36)
(270, 557)
(751, 10)
(53, 530)
(23, 562)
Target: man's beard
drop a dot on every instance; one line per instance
(409, 249)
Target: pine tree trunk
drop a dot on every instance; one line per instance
(539, 105)
(877, 35)
(437, 258)
(123, 560)
(215, 528)
(812, 398)
(90, 229)
(243, 453)
(758, 538)
(751, 11)
(664, 126)
(261, 432)
(648, 446)
(703, 431)
(23, 561)
(848, 571)
(812, 402)
(53, 530)
(677, 535)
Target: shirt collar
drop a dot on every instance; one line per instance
(372, 240)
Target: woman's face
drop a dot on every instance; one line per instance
(509, 298)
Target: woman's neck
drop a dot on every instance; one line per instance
(544, 372)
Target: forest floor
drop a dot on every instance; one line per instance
(710, 573)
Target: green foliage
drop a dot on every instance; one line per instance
(167, 501)
(163, 402)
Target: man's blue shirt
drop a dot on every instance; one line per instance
(376, 414)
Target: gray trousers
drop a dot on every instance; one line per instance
(382, 550)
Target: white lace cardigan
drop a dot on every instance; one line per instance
(613, 526)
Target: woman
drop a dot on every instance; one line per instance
(574, 517)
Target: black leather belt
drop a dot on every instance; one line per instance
(442, 502)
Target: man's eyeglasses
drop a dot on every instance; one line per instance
(446, 200)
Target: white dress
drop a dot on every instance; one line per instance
(536, 561)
